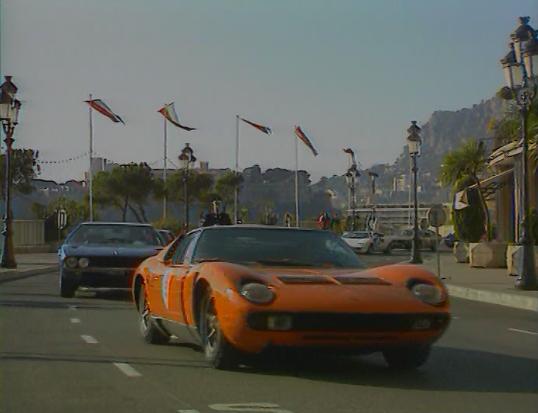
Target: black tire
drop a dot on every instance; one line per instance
(218, 352)
(407, 358)
(388, 250)
(149, 330)
(68, 286)
(370, 249)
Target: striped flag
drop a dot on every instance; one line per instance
(261, 128)
(301, 135)
(169, 112)
(103, 109)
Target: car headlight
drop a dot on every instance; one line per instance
(83, 262)
(257, 293)
(71, 262)
(428, 293)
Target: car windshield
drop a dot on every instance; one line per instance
(110, 234)
(358, 235)
(286, 247)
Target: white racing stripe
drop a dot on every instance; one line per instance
(89, 339)
(75, 320)
(517, 330)
(127, 370)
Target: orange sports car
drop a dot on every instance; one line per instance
(244, 289)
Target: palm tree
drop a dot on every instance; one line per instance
(465, 164)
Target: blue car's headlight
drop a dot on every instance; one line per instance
(71, 262)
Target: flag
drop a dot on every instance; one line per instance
(460, 200)
(350, 152)
(103, 108)
(169, 112)
(301, 135)
(261, 128)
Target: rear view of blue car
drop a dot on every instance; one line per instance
(100, 254)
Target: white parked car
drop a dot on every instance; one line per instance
(361, 241)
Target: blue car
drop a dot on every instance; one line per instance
(102, 254)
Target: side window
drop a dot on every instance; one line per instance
(177, 258)
(190, 248)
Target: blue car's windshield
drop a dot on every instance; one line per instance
(111, 234)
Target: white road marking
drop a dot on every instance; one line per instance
(89, 339)
(517, 330)
(455, 317)
(187, 411)
(127, 370)
(248, 407)
(75, 320)
(72, 307)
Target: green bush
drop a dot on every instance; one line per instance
(469, 222)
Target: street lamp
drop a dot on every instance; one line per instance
(9, 115)
(520, 68)
(351, 178)
(186, 158)
(413, 145)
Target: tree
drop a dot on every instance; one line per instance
(24, 168)
(199, 186)
(226, 184)
(464, 165)
(127, 188)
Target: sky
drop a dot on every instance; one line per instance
(351, 73)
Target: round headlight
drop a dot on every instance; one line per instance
(83, 262)
(428, 293)
(257, 293)
(71, 262)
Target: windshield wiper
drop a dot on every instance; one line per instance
(286, 262)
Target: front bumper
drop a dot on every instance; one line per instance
(112, 277)
(354, 332)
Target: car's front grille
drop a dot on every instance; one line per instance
(351, 321)
(115, 262)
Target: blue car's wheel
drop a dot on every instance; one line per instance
(68, 286)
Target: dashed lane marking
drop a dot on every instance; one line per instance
(517, 330)
(455, 317)
(127, 370)
(72, 307)
(188, 411)
(75, 320)
(89, 339)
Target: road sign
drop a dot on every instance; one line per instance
(437, 216)
(62, 219)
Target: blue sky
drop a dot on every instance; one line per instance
(351, 73)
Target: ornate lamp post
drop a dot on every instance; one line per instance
(413, 145)
(186, 158)
(9, 114)
(520, 68)
(351, 178)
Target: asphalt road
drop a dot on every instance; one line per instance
(85, 355)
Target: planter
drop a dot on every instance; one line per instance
(514, 259)
(461, 251)
(487, 254)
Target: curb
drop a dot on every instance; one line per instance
(517, 301)
(19, 275)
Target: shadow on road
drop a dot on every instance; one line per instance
(448, 369)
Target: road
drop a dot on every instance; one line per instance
(85, 355)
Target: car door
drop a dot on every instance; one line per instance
(172, 280)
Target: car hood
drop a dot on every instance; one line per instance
(108, 251)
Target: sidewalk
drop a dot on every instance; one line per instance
(488, 285)
(29, 265)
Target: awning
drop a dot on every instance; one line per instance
(494, 178)
(460, 198)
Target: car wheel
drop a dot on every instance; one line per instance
(218, 352)
(407, 358)
(370, 249)
(388, 250)
(67, 285)
(150, 332)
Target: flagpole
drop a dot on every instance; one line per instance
(90, 172)
(165, 157)
(236, 191)
(297, 222)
